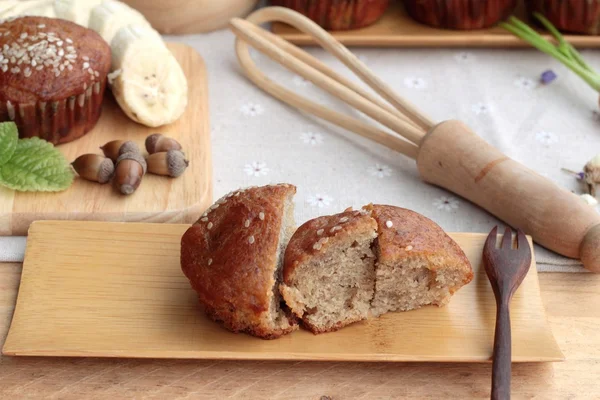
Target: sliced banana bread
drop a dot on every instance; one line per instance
(329, 273)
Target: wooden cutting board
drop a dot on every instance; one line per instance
(397, 29)
(158, 199)
(116, 290)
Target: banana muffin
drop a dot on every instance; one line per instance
(338, 15)
(460, 14)
(52, 77)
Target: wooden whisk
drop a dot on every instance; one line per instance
(448, 154)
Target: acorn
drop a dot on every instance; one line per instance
(171, 163)
(158, 143)
(129, 172)
(116, 148)
(94, 167)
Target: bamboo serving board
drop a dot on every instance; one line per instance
(116, 290)
(397, 29)
(158, 199)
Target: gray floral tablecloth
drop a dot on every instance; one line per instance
(257, 140)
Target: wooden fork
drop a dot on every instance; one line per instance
(506, 268)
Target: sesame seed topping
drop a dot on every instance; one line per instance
(204, 219)
(320, 232)
(209, 261)
(408, 248)
(344, 219)
(261, 216)
(85, 58)
(324, 240)
(317, 246)
(335, 228)
(86, 65)
(389, 224)
(209, 226)
(247, 223)
(237, 194)
(216, 205)
(40, 50)
(251, 239)
(68, 40)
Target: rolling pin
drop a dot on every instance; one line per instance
(455, 158)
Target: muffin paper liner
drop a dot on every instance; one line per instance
(57, 121)
(460, 14)
(338, 14)
(580, 16)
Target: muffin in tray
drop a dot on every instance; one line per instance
(52, 77)
(460, 14)
(579, 16)
(338, 15)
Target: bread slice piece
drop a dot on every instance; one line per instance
(328, 274)
(417, 262)
(233, 257)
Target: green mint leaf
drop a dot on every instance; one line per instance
(36, 166)
(9, 136)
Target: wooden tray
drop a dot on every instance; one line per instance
(158, 199)
(397, 29)
(116, 290)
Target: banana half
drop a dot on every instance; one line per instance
(110, 16)
(147, 81)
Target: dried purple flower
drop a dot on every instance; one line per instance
(547, 77)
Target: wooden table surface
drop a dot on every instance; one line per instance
(572, 302)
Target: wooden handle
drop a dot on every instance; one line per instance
(453, 157)
(501, 367)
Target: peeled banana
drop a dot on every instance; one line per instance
(147, 81)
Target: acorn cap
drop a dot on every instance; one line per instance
(176, 163)
(129, 147)
(106, 170)
(133, 156)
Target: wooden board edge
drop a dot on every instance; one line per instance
(485, 40)
(235, 356)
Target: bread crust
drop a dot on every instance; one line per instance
(404, 233)
(57, 108)
(230, 257)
